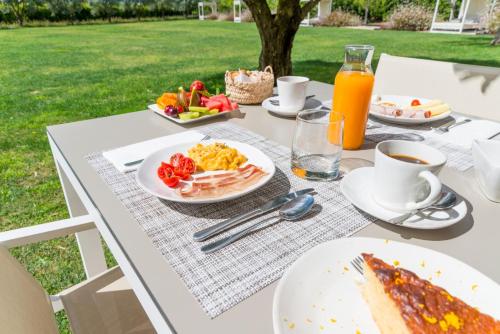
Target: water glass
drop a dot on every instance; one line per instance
(317, 145)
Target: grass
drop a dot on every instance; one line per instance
(61, 74)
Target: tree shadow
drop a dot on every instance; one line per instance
(467, 72)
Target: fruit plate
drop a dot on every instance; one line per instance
(148, 179)
(320, 292)
(159, 111)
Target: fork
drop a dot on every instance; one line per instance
(445, 128)
(136, 162)
(358, 263)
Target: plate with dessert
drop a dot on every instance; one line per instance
(205, 172)
(402, 289)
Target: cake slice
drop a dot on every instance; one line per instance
(403, 303)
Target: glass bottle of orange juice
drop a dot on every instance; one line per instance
(352, 93)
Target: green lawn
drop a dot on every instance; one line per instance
(63, 74)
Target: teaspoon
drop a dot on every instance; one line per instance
(446, 201)
(292, 210)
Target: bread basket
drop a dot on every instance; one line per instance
(250, 92)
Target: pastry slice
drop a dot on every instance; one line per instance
(403, 303)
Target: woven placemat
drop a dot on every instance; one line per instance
(225, 278)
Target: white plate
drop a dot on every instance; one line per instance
(357, 187)
(159, 111)
(266, 104)
(148, 179)
(401, 100)
(317, 295)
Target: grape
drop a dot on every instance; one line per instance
(171, 111)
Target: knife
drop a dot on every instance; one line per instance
(232, 222)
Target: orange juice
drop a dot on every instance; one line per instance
(352, 95)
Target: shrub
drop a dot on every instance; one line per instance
(212, 16)
(411, 17)
(340, 18)
(228, 16)
(246, 16)
(493, 21)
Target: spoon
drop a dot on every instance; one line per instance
(446, 201)
(292, 210)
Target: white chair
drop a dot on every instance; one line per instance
(237, 11)
(102, 304)
(470, 17)
(469, 89)
(201, 9)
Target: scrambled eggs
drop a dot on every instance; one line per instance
(216, 156)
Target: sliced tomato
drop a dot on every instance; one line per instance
(171, 181)
(183, 176)
(161, 172)
(167, 175)
(188, 165)
(165, 170)
(415, 102)
(176, 160)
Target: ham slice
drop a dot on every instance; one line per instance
(385, 109)
(222, 184)
(392, 110)
(411, 113)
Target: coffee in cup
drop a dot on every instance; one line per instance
(406, 175)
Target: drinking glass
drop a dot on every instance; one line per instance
(317, 145)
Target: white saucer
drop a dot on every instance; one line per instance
(357, 187)
(287, 112)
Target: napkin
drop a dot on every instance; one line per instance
(119, 156)
(463, 135)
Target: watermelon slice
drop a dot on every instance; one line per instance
(212, 104)
(204, 100)
(226, 104)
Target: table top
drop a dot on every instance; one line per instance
(474, 240)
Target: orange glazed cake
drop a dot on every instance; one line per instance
(403, 303)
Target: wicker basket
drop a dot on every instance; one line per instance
(250, 92)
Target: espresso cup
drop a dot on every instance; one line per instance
(292, 92)
(405, 186)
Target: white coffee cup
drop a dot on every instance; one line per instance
(405, 186)
(292, 92)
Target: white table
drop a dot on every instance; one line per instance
(171, 308)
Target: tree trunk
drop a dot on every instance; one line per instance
(496, 40)
(277, 49)
(277, 31)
